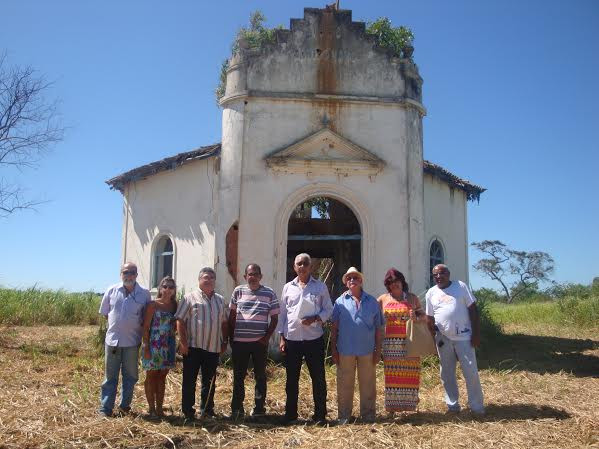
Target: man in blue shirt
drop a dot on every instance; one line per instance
(356, 339)
(123, 305)
(304, 306)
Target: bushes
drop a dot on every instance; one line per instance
(35, 306)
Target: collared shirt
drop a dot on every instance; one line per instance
(252, 309)
(125, 313)
(357, 324)
(203, 316)
(298, 303)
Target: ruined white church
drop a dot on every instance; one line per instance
(321, 117)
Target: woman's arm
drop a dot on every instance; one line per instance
(146, 328)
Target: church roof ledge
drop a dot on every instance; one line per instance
(119, 182)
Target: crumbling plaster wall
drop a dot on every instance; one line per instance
(181, 204)
(324, 73)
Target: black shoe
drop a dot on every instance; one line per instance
(189, 417)
(237, 415)
(207, 414)
(287, 420)
(318, 420)
(258, 413)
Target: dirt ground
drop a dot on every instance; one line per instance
(540, 390)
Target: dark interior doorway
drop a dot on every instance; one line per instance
(329, 231)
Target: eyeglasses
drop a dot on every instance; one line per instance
(253, 275)
(353, 278)
(129, 272)
(170, 287)
(440, 273)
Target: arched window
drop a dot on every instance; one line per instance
(163, 260)
(436, 257)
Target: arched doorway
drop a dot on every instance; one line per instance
(329, 231)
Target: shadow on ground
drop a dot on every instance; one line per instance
(541, 354)
(494, 412)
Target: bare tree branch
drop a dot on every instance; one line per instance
(29, 126)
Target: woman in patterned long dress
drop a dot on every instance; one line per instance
(402, 374)
(159, 344)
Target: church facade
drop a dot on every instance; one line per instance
(321, 152)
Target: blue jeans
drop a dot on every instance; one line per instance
(450, 352)
(117, 359)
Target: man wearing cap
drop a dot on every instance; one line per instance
(305, 304)
(453, 319)
(123, 305)
(356, 338)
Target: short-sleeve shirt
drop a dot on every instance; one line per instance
(203, 317)
(449, 307)
(125, 313)
(253, 309)
(357, 325)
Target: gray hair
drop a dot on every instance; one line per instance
(303, 256)
(206, 270)
(442, 266)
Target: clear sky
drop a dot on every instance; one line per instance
(511, 88)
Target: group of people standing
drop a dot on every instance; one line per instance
(363, 329)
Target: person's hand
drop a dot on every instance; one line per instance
(183, 348)
(335, 356)
(475, 341)
(223, 347)
(308, 321)
(283, 345)
(376, 356)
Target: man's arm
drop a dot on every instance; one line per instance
(183, 342)
(378, 342)
(430, 322)
(334, 334)
(274, 319)
(231, 322)
(475, 323)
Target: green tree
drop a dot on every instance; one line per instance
(397, 39)
(516, 271)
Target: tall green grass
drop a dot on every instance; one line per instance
(569, 310)
(36, 306)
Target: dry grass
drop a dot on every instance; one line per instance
(49, 394)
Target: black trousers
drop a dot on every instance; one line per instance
(241, 353)
(313, 352)
(198, 359)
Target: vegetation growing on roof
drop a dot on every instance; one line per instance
(397, 39)
(253, 37)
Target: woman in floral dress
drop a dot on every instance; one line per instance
(402, 374)
(159, 344)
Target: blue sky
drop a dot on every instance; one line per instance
(510, 87)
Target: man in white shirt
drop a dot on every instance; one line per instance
(304, 306)
(454, 319)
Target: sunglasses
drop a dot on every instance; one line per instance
(128, 272)
(170, 287)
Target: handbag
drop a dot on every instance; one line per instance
(419, 341)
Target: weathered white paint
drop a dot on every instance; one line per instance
(445, 219)
(179, 204)
(367, 103)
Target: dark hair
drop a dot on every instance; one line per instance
(393, 275)
(164, 279)
(255, 265)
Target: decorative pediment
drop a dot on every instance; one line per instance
(325, 152)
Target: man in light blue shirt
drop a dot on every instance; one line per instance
(356, 339)
(123, 305)
(304, 305)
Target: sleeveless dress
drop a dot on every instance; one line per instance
(162, 342)
(402, 374)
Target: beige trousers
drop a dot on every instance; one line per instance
(346, 377)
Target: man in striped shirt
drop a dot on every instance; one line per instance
(251, 307)
(203, 332)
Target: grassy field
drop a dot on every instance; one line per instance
(540, 378)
